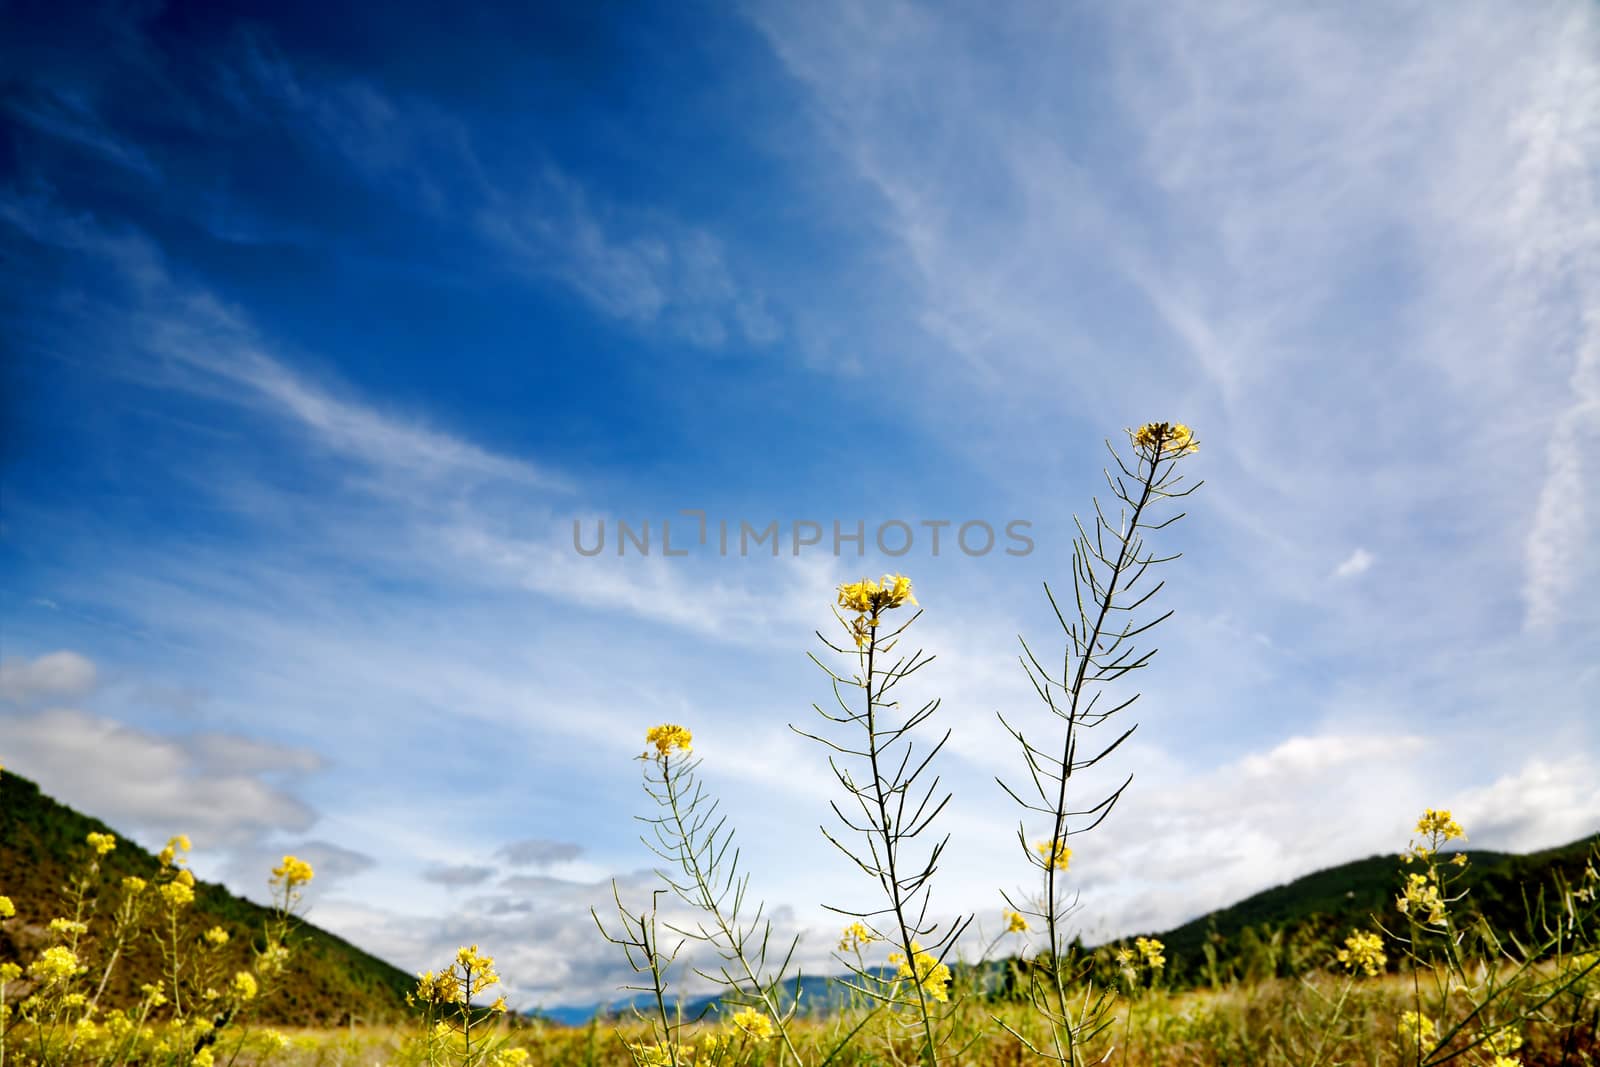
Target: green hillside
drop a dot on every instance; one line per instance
(1292, 928)
(329, 981)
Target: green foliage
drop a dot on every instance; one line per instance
(329, 980)
(1293, 929)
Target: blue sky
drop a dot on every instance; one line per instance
(322, 329)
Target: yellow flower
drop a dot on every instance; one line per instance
(714, 1048)
(1150, 952)
(668, 736)
(186, 878)
(9, 972)
(1124, 957)
(1421, 895)
(273, 959)
(216, 936)
(292, 873)
(1161, 440)
(1053, 854)
(655, 1055)
(153, 995)
(133, 886)
(925, 969)
(177, 894)
(1501, 1042)
(441, 988)
(1417, 1029)
(752, 1023)
(7, 909)
(1016, 922)
(244, 985)
(56, 964)
(867, 596)
(855, 935)
(175, 845)
(1364, 950)
(1439, 824)
(102, 843)
(857, 596)
(1504, 1061)
(476, 969)
(509, 1057)
(204, 1058)
(469, 974)
(68, 926)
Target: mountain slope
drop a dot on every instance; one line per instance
(329, 979)
(1278, 930)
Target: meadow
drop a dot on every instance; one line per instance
(1429, 977)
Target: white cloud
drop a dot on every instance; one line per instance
(1540, 805)
(1357, 562)
(1303, 757)
(152, 786)
(54, 676)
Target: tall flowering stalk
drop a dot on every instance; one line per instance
(456, 1032)
(698, 842)
(1110, 567)
(888, 805)
(689, 835)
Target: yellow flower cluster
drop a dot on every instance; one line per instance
(1364, 950)
(469, 974)
(55, 964)
(175, 854)
(868, 599)
(102, 843)
(925, 969)
(866, 596)
(1016, 922)
(1054, 854)
(292, 873)
(1416, 1029)
(855, 936)
(7, 909)
(1421, 898)
(1502, 1042)
(1160, 440)
(1150, 952)
(655, 1055)
(178, 893)
(244, 985)
(216, 937)
(667, 737)
(1439, 824)
(9, 972)
(1435, 827)
(752, 1023)
(68, 926)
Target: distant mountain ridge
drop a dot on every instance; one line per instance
(330, 981)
